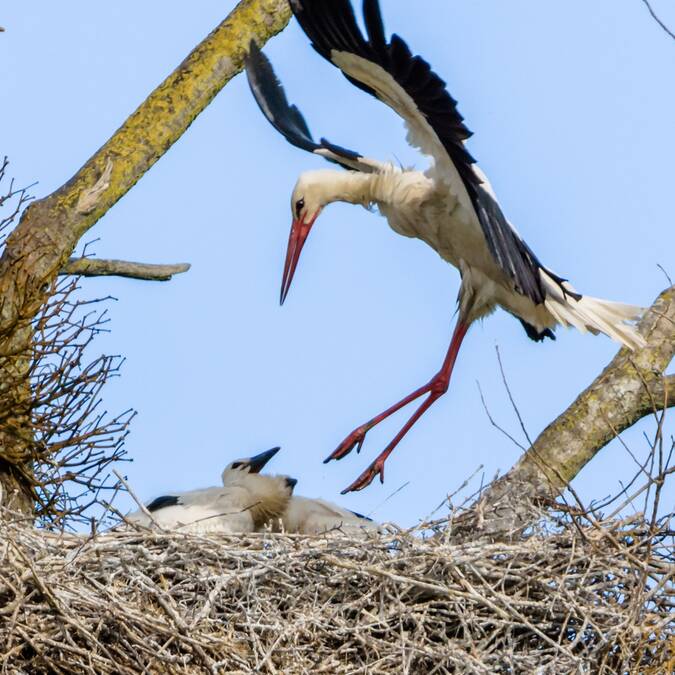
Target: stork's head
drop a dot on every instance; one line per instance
(269, 495)
(311, 193)
(239, 467)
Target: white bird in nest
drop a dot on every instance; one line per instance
(304, 515)
(451, 206)
(246, 502)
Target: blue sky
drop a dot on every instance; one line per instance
(572, 109)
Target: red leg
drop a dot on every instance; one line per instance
(436, 387)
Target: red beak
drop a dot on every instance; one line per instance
(296, 240)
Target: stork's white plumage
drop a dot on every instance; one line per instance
(451, 206)
(246, 502)
(317, 516)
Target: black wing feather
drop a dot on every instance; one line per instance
(162, 502)
(360, 515)
(331, 26)
(512, 254)
(535, 334)
(283, 116)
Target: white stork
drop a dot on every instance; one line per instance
(246, 502)
(304, 515)
(450, 206)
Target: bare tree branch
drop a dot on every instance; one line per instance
(656, 18)
(51, 227)
(631, 387)
(99, 267)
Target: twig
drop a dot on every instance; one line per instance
(133, 495)
(663, 25)
(513, 402)
(494, 424)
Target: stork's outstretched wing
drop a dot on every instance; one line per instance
(406, 83)
(288, 120)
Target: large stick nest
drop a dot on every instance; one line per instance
(571, 598)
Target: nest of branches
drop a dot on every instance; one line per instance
(571, 598)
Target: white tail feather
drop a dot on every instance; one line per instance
(593, 314)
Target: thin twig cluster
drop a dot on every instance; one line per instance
(12, 198)
(75, 439)
(50, 399)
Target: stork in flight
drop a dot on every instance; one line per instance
(246, 502)
(450, 206)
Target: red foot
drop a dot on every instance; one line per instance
(367, 477)
(436, 387)
(354, 440)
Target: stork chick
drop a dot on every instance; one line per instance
(316, 516)
(246, 502)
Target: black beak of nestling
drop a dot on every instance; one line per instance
(258, 462)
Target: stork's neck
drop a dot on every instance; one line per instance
(356, 188)
(353, 187)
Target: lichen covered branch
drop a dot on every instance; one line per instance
(51, 228)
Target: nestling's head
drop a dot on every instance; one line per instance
(269, 495)
(234, 471)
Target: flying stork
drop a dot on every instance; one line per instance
(246, 501)
(450, 206)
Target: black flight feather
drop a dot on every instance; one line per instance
(162, 502)
(360, 515)
(534, 334)
(283, 116)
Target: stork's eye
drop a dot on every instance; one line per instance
(299, 205)
(236, 465)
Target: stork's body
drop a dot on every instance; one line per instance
(416, 204)
(451, 206)
(246, 502)
(304, 515)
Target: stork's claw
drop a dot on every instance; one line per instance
(366, 478)
(354, 440)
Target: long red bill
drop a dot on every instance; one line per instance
(296, 240)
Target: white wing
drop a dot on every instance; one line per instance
(211, 510)
(316, 516)
(391, 73)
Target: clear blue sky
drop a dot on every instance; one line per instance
(572, 106)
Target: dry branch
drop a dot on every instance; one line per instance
(656, 18)
(99, 267)
(631, 387)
